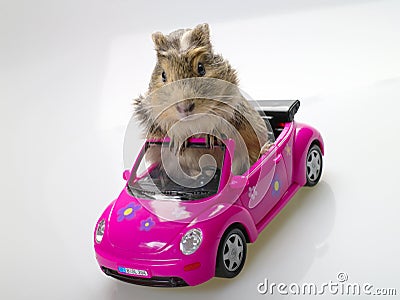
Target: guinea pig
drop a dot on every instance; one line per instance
(179, 105)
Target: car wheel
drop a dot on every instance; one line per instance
(231, 254)
(313, 165)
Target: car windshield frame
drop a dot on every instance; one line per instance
(148, 188)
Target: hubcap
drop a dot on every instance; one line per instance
(233, 252)
(313, 165)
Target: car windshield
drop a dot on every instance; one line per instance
(161, 174)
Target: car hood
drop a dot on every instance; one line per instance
(143, 226)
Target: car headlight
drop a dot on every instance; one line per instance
(100, 231)
(191, 241)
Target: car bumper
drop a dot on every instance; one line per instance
(187, 270)
(155, 281)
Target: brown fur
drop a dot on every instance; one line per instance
(178, 56)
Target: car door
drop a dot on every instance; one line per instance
(267, 182)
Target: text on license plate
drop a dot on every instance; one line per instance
(132, 271)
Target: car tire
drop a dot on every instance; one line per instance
(231, 254)
(313, 165)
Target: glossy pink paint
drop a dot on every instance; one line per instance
(137, 237)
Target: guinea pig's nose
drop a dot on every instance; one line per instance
(183, 108)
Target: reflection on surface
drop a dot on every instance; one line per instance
(284, 251)
(288, 246)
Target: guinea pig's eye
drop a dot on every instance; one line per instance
(164, 76)
(201, 70)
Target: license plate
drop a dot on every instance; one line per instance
(130, 271)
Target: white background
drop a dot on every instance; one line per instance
(68, 73)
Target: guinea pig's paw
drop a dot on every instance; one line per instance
(218, 136)
(177, 145)
(213, 139)
(173, 144)
(183, 147)
(265, 148)
(210, 141)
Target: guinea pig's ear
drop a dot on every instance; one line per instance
(200, 35)
(160, 42)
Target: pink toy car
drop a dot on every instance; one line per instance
(159, 233)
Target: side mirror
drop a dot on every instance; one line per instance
(238, 182)
(126, 175)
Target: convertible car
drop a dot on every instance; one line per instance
(160, 232)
